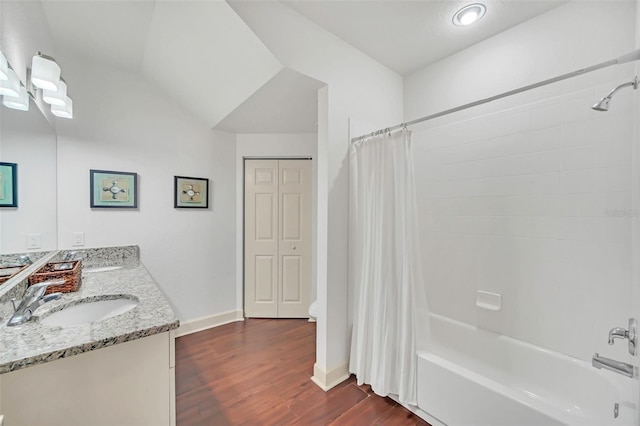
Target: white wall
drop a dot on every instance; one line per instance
(357, 86)
(530, 197)
(28, 140)
(124, 123)
(635, 296)
(271, 146)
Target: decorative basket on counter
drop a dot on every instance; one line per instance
(7, 272)
(70, 272)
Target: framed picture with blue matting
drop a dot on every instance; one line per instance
(8, 185)
(114, 190)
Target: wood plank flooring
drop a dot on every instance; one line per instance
(257, 372)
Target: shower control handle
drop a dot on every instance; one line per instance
(631, 334)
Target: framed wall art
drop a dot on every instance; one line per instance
(111, 189)
(190, 192)
(8, 185)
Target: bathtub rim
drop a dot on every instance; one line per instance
(543, 402)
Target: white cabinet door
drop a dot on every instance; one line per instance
(277, 238)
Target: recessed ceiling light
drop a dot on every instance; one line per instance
(469, 14)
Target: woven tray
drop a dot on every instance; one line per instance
(6, 272)
(72, 277)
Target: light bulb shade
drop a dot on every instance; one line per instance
(45, 73)
(11, 86)
(4, 67)
(20, 103)
(58, 97)
(63, 111)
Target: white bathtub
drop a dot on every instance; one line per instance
(475, 377)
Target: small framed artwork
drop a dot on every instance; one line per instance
(190, 192)
(8, 185)
(111, 189)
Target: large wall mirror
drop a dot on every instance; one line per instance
(29, 140)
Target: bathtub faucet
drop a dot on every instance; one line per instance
(612, 365)
(631, 335)
(617, 333)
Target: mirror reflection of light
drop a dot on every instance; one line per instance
(4, 67)
(21, 103)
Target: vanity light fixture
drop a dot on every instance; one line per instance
(469, 14)
(11, 86)
(56, 97)
(4, 67)
(20, 103)
(45, 72)
(63, 111)
(44, 75)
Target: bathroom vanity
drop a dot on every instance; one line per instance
(118, 370)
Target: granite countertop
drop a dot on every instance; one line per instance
(33, 343)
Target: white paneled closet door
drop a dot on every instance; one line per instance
(277, 238)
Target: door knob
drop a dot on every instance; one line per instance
(293, 247)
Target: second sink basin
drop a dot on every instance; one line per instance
(89, 311)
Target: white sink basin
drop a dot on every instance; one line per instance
(101, 269)
(88, 312)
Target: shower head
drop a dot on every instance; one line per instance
(603, 104)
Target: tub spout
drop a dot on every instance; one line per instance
(612, 365)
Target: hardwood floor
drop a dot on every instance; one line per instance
(257, 372)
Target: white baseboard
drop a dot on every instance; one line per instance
(329, 379)
(211, 321)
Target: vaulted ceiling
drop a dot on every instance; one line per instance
(408, 35)
(203, 55)
(285, 104)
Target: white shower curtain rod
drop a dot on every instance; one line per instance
(629, 57)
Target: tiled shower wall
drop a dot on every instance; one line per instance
(530, 197)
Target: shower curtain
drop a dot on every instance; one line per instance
(387, 279)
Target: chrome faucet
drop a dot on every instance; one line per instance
(23, 260)
(71, 255)
(612, 365)
(33, 298)
(617, 333)
(631, 334)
